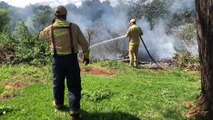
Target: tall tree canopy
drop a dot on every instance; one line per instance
(4, 19)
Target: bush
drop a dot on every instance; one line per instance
(187, 60)
(6, 48)
(187, 33)
(97, 96)
(4, 19)
(28, 50)
(32, 51)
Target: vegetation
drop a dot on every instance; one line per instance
(23, 48)
(187, 60)
(4, 20)
(24, 24)
(130, 94)
(125, 94)
(42, 18)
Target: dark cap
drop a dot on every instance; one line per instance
(60, 10)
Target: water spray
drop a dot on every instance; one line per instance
(106, 41)
(110, 40)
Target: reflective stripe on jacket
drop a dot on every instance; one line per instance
(62, 38)
(133, 33)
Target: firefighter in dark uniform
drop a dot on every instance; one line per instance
(65, 38)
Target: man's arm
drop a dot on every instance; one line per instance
(83, 42)
(45, 34)
(84, 45)
(128, 32)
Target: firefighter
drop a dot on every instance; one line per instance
(134, 32)
(65, 37)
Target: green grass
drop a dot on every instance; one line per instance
(131, 94)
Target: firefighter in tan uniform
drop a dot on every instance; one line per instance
(65, 38)
(134, 32)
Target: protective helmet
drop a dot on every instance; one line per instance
(60, 10)
(132, 21)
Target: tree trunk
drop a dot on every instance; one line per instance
(205, 42)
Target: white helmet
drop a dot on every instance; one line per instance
(132, 21)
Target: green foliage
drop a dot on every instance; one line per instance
(6, 48)
(112, 64)
(4, 5)
(187, 33)
(21, 31)
(4, 110)
(186, 59)
(42, 18)
(14, 78)
(154, 11)
(4, 19)
(181, 74)
(29, 49)
(97, 96)
(22, 47)
(32, 51)
(1, 88)
(183, 16)
(131, 95)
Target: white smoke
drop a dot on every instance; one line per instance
(179, 5)
(159, 44)
(109, 23)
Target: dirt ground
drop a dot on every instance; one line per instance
(98, 71)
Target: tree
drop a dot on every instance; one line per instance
(28, 49)
(4, 19)
(153, 11)
(4, 5)
(42, 18)
(204, 10)
(21, 31)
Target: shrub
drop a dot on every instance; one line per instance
(4, 19)
(32, 51)
(187, 60)
(27, 48)
(187, 33)
(6, 48)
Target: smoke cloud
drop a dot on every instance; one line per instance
(160, 44)
(180, 5)
(101, 20)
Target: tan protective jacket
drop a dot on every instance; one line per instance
(134, 32)
(61, 39)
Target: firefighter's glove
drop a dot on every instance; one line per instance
(86, 61)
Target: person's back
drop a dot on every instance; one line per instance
(65, 39)
(59, 34)
(134, 32)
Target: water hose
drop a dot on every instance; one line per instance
(107, 41)
(150, 54)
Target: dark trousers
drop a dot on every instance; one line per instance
(67, 66)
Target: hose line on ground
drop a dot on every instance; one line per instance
(150, 54)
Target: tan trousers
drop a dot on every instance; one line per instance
(133, 55)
